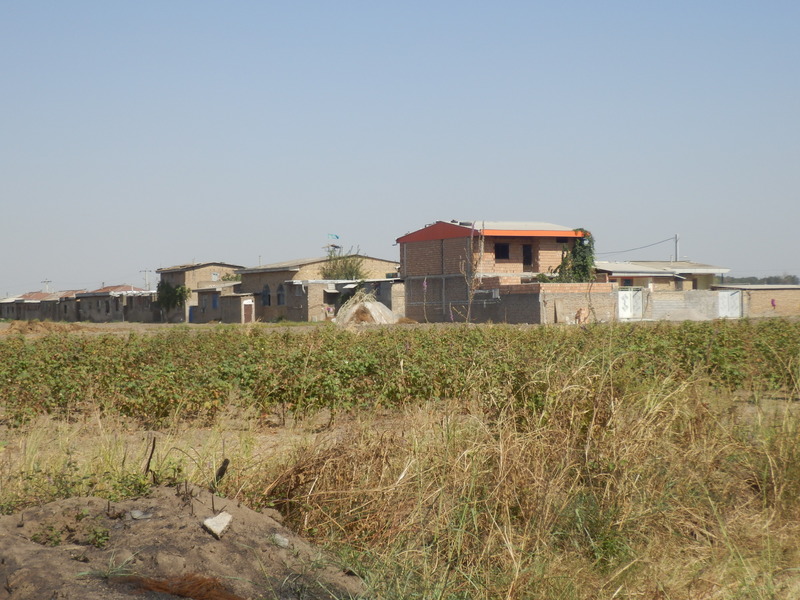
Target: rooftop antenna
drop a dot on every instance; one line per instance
(47, 283)
(146, 280)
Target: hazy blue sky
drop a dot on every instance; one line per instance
(137, 135)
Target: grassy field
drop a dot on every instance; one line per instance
(610, 461)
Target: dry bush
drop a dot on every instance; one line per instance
(656, 495)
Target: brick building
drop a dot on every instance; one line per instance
(657, 275)
(194, 276)
(452, 269)
(116, 303)
(296, 291)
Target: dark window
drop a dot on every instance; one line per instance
(281, 295)
(108, 307)
(562, 240)
(501, 252)
(627, 283)
(214, 301)
(266, 296)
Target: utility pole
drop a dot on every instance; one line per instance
(676, 248)
(146, 280)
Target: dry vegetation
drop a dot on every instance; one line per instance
(489, 462)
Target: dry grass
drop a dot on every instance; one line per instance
(672, 491)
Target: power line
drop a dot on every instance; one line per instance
(669, 239)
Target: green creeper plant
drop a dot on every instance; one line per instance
(577, 263)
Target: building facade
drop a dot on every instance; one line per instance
(452, 268)
(296, 291)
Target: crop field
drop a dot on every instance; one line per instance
(652, 460)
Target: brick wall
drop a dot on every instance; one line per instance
(433, 257)
(549, 254)
(759, 303)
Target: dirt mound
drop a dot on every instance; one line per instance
(92, 549)
(40, 327)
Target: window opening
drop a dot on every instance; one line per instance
(502, 251)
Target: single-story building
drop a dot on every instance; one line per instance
(296, 290)
(656, 275)
(117, 303)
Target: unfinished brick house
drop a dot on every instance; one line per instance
(488, 268)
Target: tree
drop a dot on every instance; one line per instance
(770, 280)
(170, 296)
(343, 266)
(577, 263)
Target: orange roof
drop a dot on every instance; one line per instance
(442, 230)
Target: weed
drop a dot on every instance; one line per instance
(47, 535)
(98, 537)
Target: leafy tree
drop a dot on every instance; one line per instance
(231, 277)
(171, 296)
(343, 266)
(577, 263)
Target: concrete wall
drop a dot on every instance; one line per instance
(689, 305)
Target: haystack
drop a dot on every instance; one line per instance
(364, 308)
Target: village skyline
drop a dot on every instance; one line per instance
(149, 135)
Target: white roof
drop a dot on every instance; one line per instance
(683, 266)
(514, 225)
(658, 268)
(631, 269)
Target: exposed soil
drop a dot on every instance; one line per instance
(91, 549)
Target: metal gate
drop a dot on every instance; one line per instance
(630, 304)
(730, 304)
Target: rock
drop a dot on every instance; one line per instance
(279, 540)
(217, 525)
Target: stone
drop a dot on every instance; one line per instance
(217, 525)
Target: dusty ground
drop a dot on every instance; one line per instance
(37, 328)
(91, 549)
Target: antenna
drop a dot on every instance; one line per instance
(47, 283)
(146, 280)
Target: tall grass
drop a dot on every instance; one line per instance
(618, 461)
